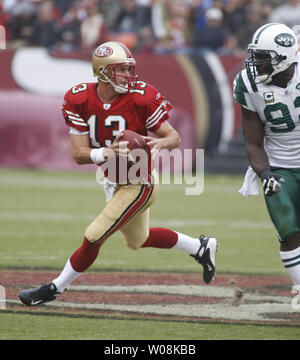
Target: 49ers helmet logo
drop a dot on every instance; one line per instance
(103, 51)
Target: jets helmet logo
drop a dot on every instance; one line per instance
(285, 39)
(103, 51)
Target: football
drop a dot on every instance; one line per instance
(135, 140)
(138, 165)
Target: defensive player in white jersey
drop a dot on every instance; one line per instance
(268, 90)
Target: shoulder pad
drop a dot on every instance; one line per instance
(243, 86)
(248, 81)
(78, 94)
(144, 93)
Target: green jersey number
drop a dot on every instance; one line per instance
(285, 119)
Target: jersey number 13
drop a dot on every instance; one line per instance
(109, 122)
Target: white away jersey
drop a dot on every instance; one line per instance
(279, 110)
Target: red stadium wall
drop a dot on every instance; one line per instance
(32, 85)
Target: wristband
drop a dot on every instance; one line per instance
(97, 155)
(265, 173)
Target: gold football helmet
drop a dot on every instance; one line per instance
(109, 57)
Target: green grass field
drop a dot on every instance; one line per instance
(43, 216)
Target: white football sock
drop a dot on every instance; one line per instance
(291, 261)
(187, 244)
(66, 277)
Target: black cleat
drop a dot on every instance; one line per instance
(206, 256)
(39, 295)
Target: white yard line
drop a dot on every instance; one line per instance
(76, 183)
(252, 312)
(255, 306)
(178, 223)
(32, 216)
(191, 290)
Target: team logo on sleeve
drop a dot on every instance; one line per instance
(269, 97)
(103, 51)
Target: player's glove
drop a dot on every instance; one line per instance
(271, 182)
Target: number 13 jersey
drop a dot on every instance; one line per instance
(141, 109)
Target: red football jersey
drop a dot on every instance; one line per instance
(141, 109)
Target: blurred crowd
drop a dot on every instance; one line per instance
(160, 26)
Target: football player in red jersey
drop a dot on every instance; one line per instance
(97, 113)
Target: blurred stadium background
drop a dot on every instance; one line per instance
(190, 50)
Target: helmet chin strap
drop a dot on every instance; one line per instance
(269, 79)
(119, 89)
(266, 78)
(280, 67)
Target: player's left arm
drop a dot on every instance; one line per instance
(253, 131)
(167, 137)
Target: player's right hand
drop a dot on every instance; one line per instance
(271, 182)
(118, 148)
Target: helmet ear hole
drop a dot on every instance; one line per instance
(102, 75)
